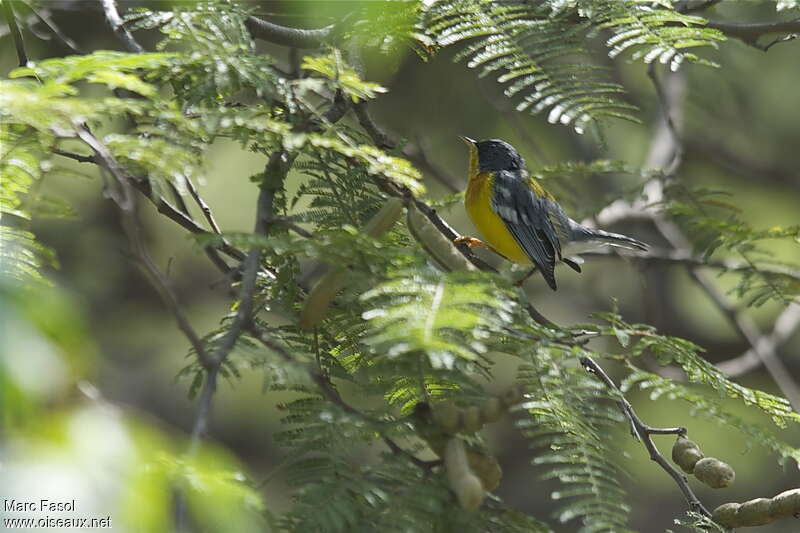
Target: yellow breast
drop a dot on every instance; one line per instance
(478, 201)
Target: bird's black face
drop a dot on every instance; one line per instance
(494, 154)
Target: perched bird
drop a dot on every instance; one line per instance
(519, 219)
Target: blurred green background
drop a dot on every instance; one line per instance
(742, 134)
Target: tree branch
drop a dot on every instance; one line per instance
(785, 326)
(63, 38)
(747, 329)
(685, 257)
(274, 173)
(643, 432)
(294, 37)
(742, 323)
(329, 392)
(116, 23)
(127, 206)
(750, 32)
(11, 20)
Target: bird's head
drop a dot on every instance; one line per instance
(494, 154)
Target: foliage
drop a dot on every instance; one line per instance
(401, 333)
(540, 49)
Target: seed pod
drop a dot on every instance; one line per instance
(754, 513)
(492, 410)
(725, 515)
(714, 473)
(486, 467)
(512, 396)
(689, 458)
(472, 420)
(325, 290)
(448, 417)
(785, 504)
(384, 219)
(463, 481)
(686, 453)
(439, 247)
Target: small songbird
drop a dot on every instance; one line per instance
(519, 219)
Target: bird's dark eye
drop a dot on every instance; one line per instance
(513, 165)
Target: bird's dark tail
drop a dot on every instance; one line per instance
(616, 239)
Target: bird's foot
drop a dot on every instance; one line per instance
(472, 242)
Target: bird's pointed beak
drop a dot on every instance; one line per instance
(470, 141)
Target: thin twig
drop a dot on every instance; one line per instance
(685, 257)
(125, 201)
(743, 324)
(749, 331)
(116, 23)
(330, 393)
(63, 38)
(283, 221)
(11, 20)
(385, 142)
(750, 32)
(203, 206)
(294, 37)
(643, 432)
(168, 210)
(686, 6)
(785, 326)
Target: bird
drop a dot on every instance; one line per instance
(519, 219)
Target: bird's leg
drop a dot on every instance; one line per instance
(525, 278)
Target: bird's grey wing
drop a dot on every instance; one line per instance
(526, 217)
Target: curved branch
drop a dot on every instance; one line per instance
(11, 19)
(785, 326)
(750, 32)
(643, 432)
(294, 37)
(116, 23)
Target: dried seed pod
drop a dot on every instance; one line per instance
(714, 473)
(754, 513)
(785, 504)
(486, 467)
(447, 416)
(725, 515)
(439, 247)
(492, 410)
(385, 218)
(325, 290)
(472, 420)
(463, 481)
(686, 453)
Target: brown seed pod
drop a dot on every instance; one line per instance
(486, 467)
(447, 416)
(463, 481)
(725, 514)
(754, 513)
(689, 458)
(785, 504)
(714, 473)
(472, 420)
(686, 453)
(492, 410)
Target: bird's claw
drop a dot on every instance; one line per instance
(472, 242)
